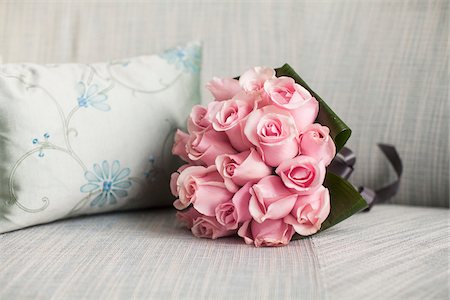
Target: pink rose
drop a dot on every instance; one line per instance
(223, 88)
(198, 119)
(270, 199)
(253, 79)
(202, 187)
(205, 146)
(238, 169)
(309, 212)
(274, 134)
(256, 99)
(187, 217)
(302, 174)
(208, 227)
(315, 141)
(251, 98)
(270, 233)
(287, 94)
(231, 214)
(174, 178)
(179, 146)
(173, 183)
(229, 116)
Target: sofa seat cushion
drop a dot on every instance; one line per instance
(393, 252)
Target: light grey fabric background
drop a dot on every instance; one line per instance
(145, 255)
(382, 65)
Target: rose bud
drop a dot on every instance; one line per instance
(223, 88)
(238, 169)
(198, 120)
(202, 187)
(229, 116)
(270, 233)
(205, 146)
(287, 94)
(302, 175)
(173, 183)
(187, 217)
(174, 178)
(274, 134)
(179, 146)
(208, 227)
(315, 141)
(309, 212)
(253, 79)
(231, 214)
(270, 199)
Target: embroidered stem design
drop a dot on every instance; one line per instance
(81, 203)
(164, 85)
(45, 200)
(12, 193)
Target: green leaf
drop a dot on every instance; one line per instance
(344, 200)
(339, 131)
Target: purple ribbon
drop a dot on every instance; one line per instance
(342, 165)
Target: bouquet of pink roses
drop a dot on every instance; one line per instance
(257, 160)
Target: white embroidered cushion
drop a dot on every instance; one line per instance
(80, 139)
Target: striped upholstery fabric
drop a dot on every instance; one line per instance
(393, 252)
(383, 65)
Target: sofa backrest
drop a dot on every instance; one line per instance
(382, 65)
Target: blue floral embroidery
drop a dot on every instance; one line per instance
(36, 141)
(152, 172)
(89, 95)
(110, 180)
(185, 58)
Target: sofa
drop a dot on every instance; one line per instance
(382, 66)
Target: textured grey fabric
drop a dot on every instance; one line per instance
(146, 256)
(381, 64)
(393, 252)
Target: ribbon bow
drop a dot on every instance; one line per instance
(343, 163)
